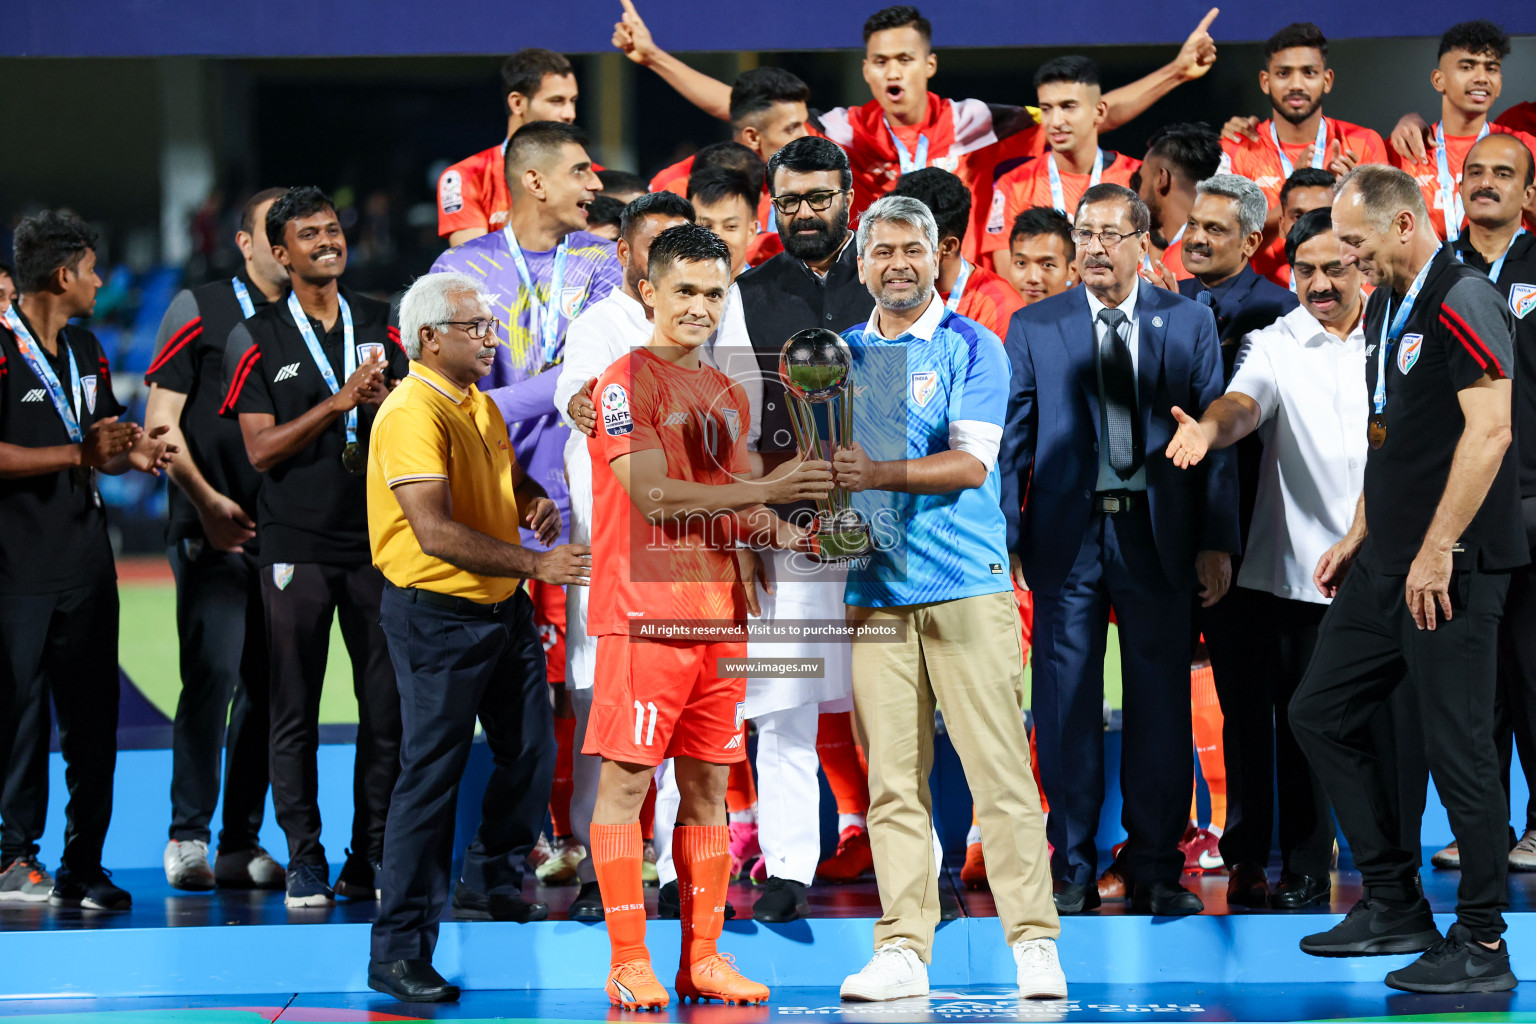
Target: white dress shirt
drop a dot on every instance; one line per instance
(1109, 480)
(1310, 389)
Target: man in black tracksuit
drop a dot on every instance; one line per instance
(305, 377)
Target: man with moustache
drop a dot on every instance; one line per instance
(305, 378)
(1420, 582)
(1297, 388)
(212, 550)
(1042, 254)
(1178, 156)
(1496, 183)
(1108, 523)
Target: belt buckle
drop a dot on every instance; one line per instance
(1110, 503)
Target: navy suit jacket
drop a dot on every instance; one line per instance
(1050, 459)
(1246, 303)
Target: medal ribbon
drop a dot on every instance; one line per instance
(40, 367)
(1450, 199)
(958, 290)
(1498, 264)
(904, 157)
(1058, 197)
(548, 315)
(348, 355)
(1390, 335)
(1319, 146)
(243, 297)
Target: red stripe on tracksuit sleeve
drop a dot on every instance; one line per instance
(191, 329)
(243, 369)
(1469, 338)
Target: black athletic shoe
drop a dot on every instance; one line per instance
(588, 904)
(1373, 929)
(359, 878)
(1457, 963)
(783, 899)
(469, 905)
(88, 890)
(669, 905)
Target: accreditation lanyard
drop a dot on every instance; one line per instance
(1498, 264)
(1450, 199)
(548, 312)
(40, 367)
(348, 352)
(1058, 197)
(904, 157)
(1390, 334)
(955, 293)
(1319, 147)
(243, 297)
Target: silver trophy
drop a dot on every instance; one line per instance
(814, 366)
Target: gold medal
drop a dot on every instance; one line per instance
(1377, 432)
(352, 459)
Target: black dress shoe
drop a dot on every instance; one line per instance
(1248, 886)
(669, 904)
(588, 904)
(783, 899)
(1165, 899)
(410, 981)
(469, 905)
(1074, 899)
(1297, 892)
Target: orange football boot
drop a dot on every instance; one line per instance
(716, 977)
(633, 986)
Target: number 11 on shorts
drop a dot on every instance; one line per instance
(642, 726)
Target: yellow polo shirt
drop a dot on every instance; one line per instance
(428, 429)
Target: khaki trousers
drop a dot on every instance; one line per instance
(965, 656)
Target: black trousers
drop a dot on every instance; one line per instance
(298, 638)
(1369, 648)
(1117, 565)
(1516, 715)
(224, 675)
(62, 644)
(453, 666)
(1260, 646)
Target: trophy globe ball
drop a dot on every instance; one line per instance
(814, 364)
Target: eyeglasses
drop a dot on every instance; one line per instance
(818, 201)
(1108, 239)
(476, 329)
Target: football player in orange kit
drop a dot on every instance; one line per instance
(1178, 156)
(472, 196)
(905, 127)
(1468, 75)
(669, 460)
(1072, 109)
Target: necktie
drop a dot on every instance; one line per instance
(1117, 396)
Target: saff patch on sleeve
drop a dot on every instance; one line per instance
(617, 420)
(1522, 299)
(451, 192)
(1408, 352)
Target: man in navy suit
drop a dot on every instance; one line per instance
(1225, 229)
(1108, 521)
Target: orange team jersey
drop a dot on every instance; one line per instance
(1260, 162)
(1173, 259)
(680, 570)
(1030, 185)
(1426, 172)
(674, 178)
(473, 193)
(1521, 117)
(960, 138)
(988, 299)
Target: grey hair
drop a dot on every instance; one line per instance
(429, 302)
(1252, 207)
(898, 210)
(1384, 193)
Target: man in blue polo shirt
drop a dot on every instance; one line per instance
(930, 398)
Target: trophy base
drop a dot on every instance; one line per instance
(842, 538)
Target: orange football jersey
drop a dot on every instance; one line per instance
(989, 300)
(1426, 172)
(1030, 185)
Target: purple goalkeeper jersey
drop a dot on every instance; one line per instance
(522, 383)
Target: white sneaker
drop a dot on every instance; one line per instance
(894, 972)
(1523, 856)
(1040, 974)
(249, 869)
(186, 865)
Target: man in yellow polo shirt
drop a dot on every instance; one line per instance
(444, 493)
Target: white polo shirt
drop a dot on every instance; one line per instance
(1310, 389)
